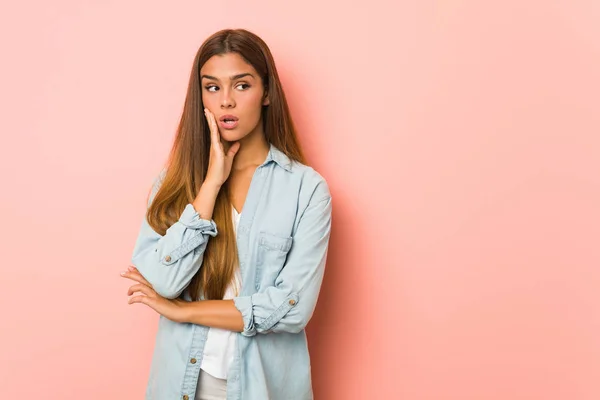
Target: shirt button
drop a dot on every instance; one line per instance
(168, 258)
(193, 361)
(292, 302)
(186, 397)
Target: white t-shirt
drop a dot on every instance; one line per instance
(220, 343)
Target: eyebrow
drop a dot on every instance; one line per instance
(234, 77)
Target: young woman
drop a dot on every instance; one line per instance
(233, 246)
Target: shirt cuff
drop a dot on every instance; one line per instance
(191, 219)
(272, 312)
(244, 305)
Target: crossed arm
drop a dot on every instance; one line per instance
(168, 262)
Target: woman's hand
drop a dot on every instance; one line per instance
(220, 160)
(173, 309)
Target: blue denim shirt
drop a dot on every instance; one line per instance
(282, 241)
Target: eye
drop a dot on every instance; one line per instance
(243, 84)
(210, 87)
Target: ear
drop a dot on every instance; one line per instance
(266, 101)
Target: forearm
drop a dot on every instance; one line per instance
(204, 203)
(215, 313)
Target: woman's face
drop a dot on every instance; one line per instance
(233, 92)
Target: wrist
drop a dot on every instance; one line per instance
(211, 184)
(205, 199)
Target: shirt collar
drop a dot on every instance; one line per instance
(279, 157)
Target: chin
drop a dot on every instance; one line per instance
(232, 136)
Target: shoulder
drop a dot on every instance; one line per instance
(313, 184)
(158, 180)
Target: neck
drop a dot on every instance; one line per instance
(253, 150)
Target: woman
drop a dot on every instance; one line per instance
(233, 246)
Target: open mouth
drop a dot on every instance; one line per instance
(228, 121)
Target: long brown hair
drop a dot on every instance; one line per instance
(187, 163)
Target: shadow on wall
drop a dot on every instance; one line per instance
(328, 338)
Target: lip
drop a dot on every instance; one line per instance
(224, 125)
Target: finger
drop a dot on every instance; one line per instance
(140, 278)
(136, 276)
(209, 123)
(140, 288)
(233, 149)
(217, 141)
(132, 271)
(138, 299)
(214, 130)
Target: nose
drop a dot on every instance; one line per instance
(227, 101)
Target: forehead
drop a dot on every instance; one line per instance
(223, 66)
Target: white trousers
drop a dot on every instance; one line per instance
(210, 387)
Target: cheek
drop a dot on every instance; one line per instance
(254, 106)
(207, 101)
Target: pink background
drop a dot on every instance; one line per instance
(461, 143)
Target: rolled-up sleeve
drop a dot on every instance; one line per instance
(170, 261)
(289, 304)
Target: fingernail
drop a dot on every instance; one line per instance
(130, 268)
(123, 273)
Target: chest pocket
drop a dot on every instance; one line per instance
(270, 257)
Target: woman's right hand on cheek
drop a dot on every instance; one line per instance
(219, 163)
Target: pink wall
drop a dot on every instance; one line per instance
(461, 142)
